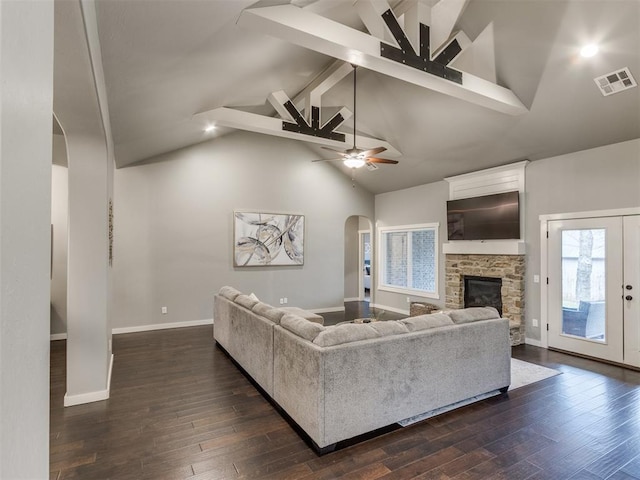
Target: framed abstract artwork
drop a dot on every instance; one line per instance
(267, 239)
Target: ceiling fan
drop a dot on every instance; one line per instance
(356, 157)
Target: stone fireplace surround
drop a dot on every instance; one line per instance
(510, 268)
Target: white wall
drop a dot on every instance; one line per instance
(26, 97)
(174, 229)
(597, 179)
(59, 221)
(423, 204)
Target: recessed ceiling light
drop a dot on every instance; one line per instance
(210, 128)
(589, 50)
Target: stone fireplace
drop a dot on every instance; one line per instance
(507, 269)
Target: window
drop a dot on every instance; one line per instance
(409, 259)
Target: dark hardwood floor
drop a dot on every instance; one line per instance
(180, 409)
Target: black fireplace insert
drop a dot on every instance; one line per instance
(483, 292)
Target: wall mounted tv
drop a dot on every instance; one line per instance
(490, 217)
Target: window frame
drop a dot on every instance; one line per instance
(382, 261)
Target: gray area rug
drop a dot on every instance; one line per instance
(522, 373)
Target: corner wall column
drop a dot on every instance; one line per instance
(81, 113)
(88, 349)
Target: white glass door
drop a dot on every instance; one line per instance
(631, 290)
(585, 275)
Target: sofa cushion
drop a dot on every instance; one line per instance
(312, 317)
(275, 314)
(389, 327)
(300, 326)
(229, 293)
(246, 301)
(349, 332)
(424, 322)
(261, 308)
(473, 314)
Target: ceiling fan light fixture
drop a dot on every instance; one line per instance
(589, 50)
(354, 162)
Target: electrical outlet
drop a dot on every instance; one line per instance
(534, 322)
(164, 310)
(282, 301)
(408, 300)
(536, 279)
(285, 300)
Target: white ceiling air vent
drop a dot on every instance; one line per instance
(615, 82)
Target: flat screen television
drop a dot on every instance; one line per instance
(490, 217)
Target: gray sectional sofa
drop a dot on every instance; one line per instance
(340, 382)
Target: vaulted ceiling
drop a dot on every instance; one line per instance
(166, 61)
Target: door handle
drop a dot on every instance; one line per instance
(628, 297)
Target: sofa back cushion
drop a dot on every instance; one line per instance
(301, 326)
(275, 314)
(307, 315)
(246, 301)
(390, 327)
(261, 308)
(349, 332)
(424, 322)
(473, 314)
(353, 332)
(229, 293)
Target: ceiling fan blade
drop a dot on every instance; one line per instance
(327, 160)
(373, 151)
(381, 160)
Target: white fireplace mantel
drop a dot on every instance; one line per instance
(484, 247)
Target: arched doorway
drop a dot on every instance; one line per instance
(358, 259)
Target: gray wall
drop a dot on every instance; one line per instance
(597, 179)
(174, 227)
(423, 204)
(26, 96)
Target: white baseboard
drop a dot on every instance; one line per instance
(353, 299)
(58, 336)
(90, 397)
(327, 310)
(532, 341)
(162, 326)
(391, 309)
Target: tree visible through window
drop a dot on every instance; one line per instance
(409, 259)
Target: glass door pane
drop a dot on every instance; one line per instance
(584, 284)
